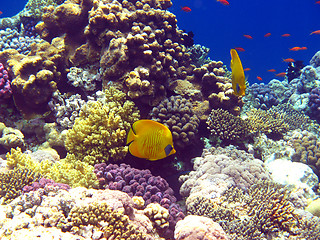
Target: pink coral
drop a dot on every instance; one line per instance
(5, 87)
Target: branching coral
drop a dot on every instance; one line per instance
(227, 127)
(13, 182)
(261, 212)
(100, 131)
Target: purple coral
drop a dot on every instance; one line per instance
(46, 184)
(5, 87)
(142, 183)
(314, 101)
(264, 96)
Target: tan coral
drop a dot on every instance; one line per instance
(157, 214)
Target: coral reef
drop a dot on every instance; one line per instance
(308, 79)
(68, 170)
(217, 169)
(13, 182)
(86, 79)
(66, 108)
(198, 54)
(198, 227)
(227, 127)
(11, 137)
(260, 212)
(177, 114)
(262, 96)
(5, 86)
(157, 214)
(46, 184)
(12, 39)
(314, 103)
(34, 76)
(99, 133)
(142, 183)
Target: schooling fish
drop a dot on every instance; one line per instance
(238, 78)
(247, 36)
(151, 140)
(286, 35)
(267, 35)
(186, 9)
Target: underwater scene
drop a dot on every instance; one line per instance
(159, 119)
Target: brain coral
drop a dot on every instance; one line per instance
(177, 114)
(99, 133)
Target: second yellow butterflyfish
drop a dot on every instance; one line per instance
(150, 139)
(238, 78)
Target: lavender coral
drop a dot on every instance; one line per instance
(314, 102)
(137, 182)
(5, 87)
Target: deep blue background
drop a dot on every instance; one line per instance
(222, 27)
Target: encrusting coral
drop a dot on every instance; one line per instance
(99, 133)
(177, 114)
(157, 214)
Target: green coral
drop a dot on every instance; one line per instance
(118, 227)
(99, 133)
(68, 170)
(260, 212)
(13, 182)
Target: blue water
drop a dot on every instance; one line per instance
(222, 27)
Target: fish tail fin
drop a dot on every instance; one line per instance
(131, 136)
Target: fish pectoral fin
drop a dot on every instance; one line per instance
(131, 136)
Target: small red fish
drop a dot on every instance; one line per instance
(317, 2)
(267, 35)
(247, 69)
(186, 9)
(272, 70)
(295, 49)
(247, 36)
(1, 12)
(285, 35)
(282, 74)
(315, 32)
(303, 48)
(288, 60)
(240, 49)
(224, 2)
(259, 78)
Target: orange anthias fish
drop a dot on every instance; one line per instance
(259, 78)
(288, 60)
(238, 78)
(1, 12)
(150, 140)
(267, 35)
(285, 35)
(294, 49)
(186, 9)
(317, 2)
(315, 32)
(247, 36)
(247, 69)
(282, 74)
(272, 70)
(224, 2)
(303, 48)
(240, 49)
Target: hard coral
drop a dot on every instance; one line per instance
(177, 114)
(314, 103)
(100, 131)
(227, 127)
(137, 182)
(13, 182)
(5, 87)
(34, 76)
(262, 211)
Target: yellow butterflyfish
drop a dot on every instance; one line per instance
(238, 78)
(151, 140)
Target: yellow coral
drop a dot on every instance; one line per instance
(158, 215)
(100, 131)
(68, 170)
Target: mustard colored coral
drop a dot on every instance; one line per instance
(101, 129)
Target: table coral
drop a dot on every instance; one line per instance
(137, 182)
(13, 182)
(177, 114)
(100, 131)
